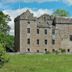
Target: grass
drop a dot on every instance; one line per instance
(38, 63)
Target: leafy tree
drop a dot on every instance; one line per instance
(10, 43)
(61, 12)
(4, 57)
(4, 31)
(4, 19)
(5, 39)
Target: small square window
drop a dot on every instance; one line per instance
(70, 37)
(53, 50)
(38, 41)
(37, 51)
(37, 31)
(53, 41)
(28, 30)
(45, 31)
(46, 42)
(28, 41)
(53, 32)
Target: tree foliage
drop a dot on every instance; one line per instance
(4, 19)
(4, 27)
(4, 32)
(4, 57)
(61, 12)
(10, 43)
(5, 39)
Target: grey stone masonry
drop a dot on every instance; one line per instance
(43, 34)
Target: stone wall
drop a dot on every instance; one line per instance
(62, 29)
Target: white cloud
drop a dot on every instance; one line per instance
(68, 2)
(15, 13)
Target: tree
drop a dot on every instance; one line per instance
(4, 57)
(4, 31)
(4, 19)
(10, 43)
(4, 28)
(61, 12)
(5, 39)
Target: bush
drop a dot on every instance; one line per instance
(47, 52)
(56, 51)
(62, 50)
(3, 56)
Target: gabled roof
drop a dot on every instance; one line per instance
(26, 16)
(45, 17)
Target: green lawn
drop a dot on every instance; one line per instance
(38, 63)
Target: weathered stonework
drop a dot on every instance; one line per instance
(58, 30)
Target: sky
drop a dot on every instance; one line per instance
(38, 7)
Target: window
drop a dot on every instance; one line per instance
(45, 50)
(53, 50)
(70, 37)
(37, 51)
(53, 41)
(37, 31)
(45, 31)
(38, 41)
(28, 22)
(46, 42)
(28, 41)
(53, 31)
(28, 30)
(68, 50)
(54, 22)
(28, 50)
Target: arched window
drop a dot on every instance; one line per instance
(28, 50)
(68, 50)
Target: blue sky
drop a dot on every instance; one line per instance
(37, 4)
(38, 7)
(45, 5)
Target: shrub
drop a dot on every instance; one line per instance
(3, 56)
(56, 51)
(47, 52)
(62, 50)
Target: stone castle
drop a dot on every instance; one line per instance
(43, 34)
